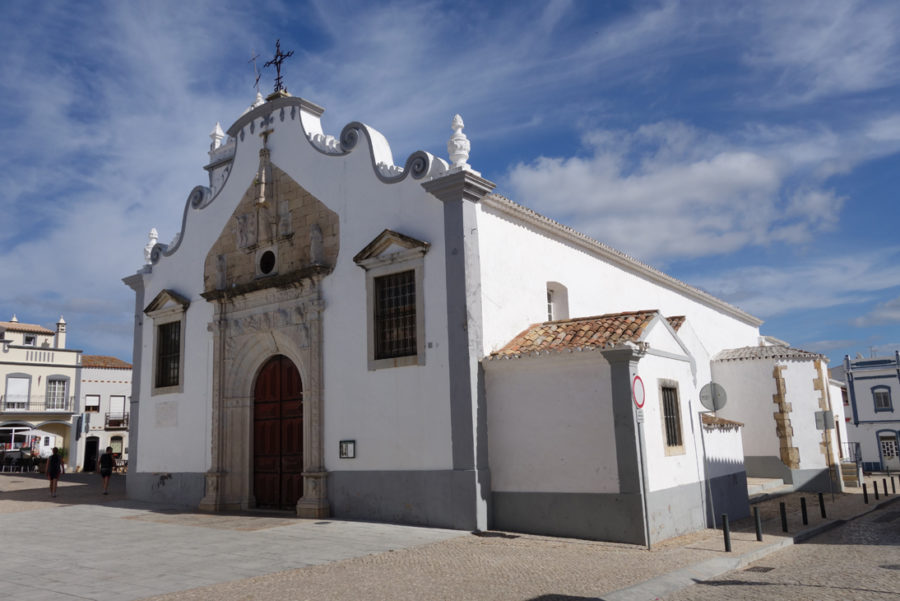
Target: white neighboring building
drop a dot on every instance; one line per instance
(315, 338)
(39, 386)
(873, 387)
(106, 396)
(776, 391)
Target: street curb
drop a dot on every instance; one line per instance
(666, 584)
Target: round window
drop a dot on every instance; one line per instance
(267, 262)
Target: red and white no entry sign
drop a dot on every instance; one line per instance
(637, 392)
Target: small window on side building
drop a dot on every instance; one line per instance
(671, 414)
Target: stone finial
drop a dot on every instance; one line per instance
(259, 100)
(14, 319)
(153, 238)
(458, 145)
(217, 135)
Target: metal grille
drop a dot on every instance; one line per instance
(395, 315)
(882, 399)
(56, 394)
(671, 416)
(168, 354)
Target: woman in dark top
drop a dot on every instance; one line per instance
(54, 470)
(107, 461)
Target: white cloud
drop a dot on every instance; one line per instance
(883, 314)
(692, 192)
(772, 290)
(820, 49)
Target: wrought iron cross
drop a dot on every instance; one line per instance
(279, 58)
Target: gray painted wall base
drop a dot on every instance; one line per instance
(437, 498)
(612, 517)
(184, 489)
(729, 495)
(676, 511)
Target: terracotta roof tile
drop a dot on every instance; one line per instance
(720, 422)
(585, 333)
(15, 326)
(676, 321)
(765, 352)
(103, 361)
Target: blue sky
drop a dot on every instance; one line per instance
(750, 149)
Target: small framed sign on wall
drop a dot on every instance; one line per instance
(348, 449)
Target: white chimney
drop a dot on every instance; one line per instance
(60, 333)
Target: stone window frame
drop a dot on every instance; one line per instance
(670, 449)
(6, 401)
(162, 312)
(57, 378)
(890, 402)
(410, 257)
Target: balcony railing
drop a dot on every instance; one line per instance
(20, 403)
(116, 421)
(850, 451)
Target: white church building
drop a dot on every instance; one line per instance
(335, 334)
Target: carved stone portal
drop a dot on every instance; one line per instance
(247, 331)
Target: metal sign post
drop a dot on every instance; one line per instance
(638, 396)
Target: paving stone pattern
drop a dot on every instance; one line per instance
(82, 545)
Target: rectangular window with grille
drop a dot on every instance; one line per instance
(56, 394)
(395, 315)
(671, 417)
(882, 399)
(168, 354)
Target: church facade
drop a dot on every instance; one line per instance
(334, 334)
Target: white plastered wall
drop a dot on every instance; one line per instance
(749, 387)
(550, 423)
(517, 261)
(799, 378)
(398, 416)
(677, 468)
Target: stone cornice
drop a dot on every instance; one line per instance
(463, 184)
(287, 280)
(554, 228)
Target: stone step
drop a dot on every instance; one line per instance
(757, 486)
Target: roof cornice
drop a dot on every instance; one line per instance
(517, 211)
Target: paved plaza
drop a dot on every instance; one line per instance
(83, 545)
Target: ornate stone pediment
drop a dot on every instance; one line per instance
(167, 301)
(278, 233)
(390, 247)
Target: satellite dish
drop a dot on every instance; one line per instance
(713, 397)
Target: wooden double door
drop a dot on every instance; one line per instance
(278, 435)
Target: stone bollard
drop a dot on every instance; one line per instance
(865, 494)
(783, 511)
(884, 483)
(822, 506)
(803, 511)
(758, 523)
(875, 488)
(726, 531)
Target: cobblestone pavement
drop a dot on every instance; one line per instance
(857, 561)
(218, 553)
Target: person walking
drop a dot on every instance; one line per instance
(107, 461)
(54, 470)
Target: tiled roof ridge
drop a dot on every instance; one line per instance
(764, 352)
(104, 361)
(593, 317)
(32, 328)
(503, 203)
(576, 335)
